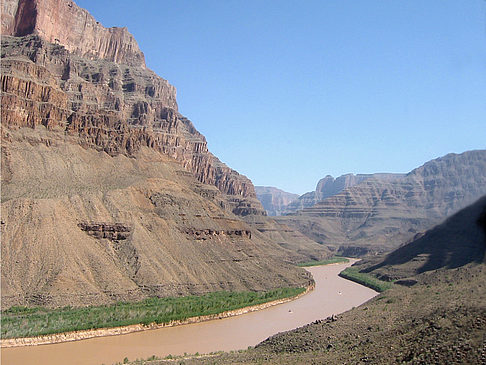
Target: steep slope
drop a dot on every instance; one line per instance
(458, 241)
(377, 215)
(88, 228)
(274, 200)
(108, 193)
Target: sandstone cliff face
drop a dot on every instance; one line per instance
(274, 200)
(108, 192)
(101, 91)
(330, 186)
(378, 215)
(63, 22)
(111, 107)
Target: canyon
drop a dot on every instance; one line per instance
(434, 313)
(274, 201)
(108, 192)
(329, 186)
(356, 215)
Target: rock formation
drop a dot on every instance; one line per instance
(274, 200)
(108, 192)
(377, 215)
(111, 107)
(63, 22)
(458, 241)
(330, 186)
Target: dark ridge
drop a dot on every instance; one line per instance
(459, 241)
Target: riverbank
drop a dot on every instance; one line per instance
(332, 295)
(353, 274)
(335, 260)
(439, 320)
(121, 330)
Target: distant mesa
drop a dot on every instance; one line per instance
(329, 186)
(355, 215)
(274, 201)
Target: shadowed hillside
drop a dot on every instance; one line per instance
(460, 240)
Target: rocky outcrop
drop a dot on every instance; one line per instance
(274, 200)
(111, 231)
(207, 234)
(330, 186)
(111, 107)
(63, 22)
(108, 192)
(378, 215)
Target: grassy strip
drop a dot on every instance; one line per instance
(332, 260)
(353, 274)
(29, 322)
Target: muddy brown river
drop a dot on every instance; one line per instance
(332, 295)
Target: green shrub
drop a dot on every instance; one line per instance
(368, 280)
(27, 322)
(332, 260)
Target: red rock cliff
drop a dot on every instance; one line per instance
(63, 22)
(52, 75)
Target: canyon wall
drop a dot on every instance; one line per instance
(108, 192)
(379, 214)
(63, 22)
(71, 73)
(274, 200)
(329, 186)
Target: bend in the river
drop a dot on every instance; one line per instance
(332, 295)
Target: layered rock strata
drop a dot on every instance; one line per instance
(378, 215)
(63, 22)
(458, 241)
(111, 107)
(107, 190)
(111, 231)
(329, 186)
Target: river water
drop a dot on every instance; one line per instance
(332, 295)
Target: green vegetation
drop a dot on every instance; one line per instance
(27, 322)
(353, 274)
(332, 260)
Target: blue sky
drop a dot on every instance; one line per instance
(287, 92)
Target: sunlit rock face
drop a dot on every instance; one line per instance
(63, 22)
(96, 86)
(108, 192)
(378, 214)
(329, 186)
